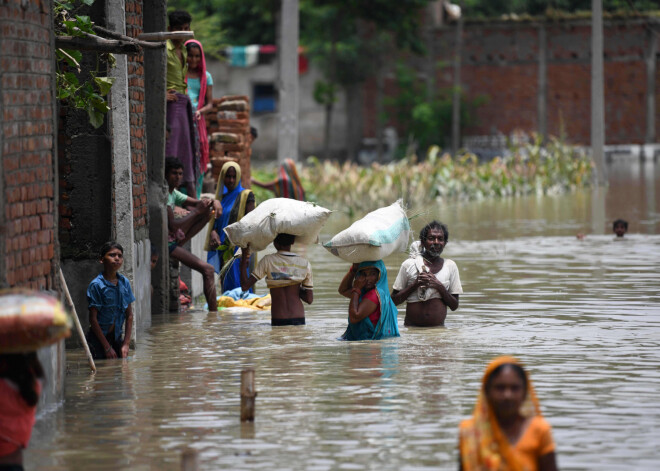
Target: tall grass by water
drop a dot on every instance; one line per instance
(553, 167)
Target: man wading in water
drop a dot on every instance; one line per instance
(426, 281)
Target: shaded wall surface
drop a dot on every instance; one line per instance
(502, 61)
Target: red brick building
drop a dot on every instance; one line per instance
(536, 77)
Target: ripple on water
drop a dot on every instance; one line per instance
(583, 316)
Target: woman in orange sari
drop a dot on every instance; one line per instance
(506, 431)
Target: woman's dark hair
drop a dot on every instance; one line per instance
(285, 239)
(108, 246)
(179, 18)
(190, 46)
(172, 163)
(23, 369)
(434, 225)
(516, 368)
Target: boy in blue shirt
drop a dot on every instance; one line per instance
(109, 297)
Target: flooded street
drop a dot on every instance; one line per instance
(583, 315)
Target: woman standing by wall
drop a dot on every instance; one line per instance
(200, 92)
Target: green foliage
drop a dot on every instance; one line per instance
(527, 169)
(325, 93)
(237, 22)
(425, 121)
(87, 94)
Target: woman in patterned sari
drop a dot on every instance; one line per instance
(506, 431)
(287, 184)
(236, 202)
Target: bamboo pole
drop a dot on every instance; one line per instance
(248, 395)
(122, 37)
(77, 322)
(597, 94)
(98, 44)
(162, 36)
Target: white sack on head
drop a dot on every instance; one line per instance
(276, 216)
(374, 237)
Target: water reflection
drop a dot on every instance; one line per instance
(583, 315)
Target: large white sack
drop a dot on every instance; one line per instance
(375, 236)
(275, 216)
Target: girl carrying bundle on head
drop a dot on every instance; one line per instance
(372, 314)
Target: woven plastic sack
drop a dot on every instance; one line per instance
(30, 320)
(374, 237)
(276, 216)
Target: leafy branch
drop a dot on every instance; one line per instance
(88, 95)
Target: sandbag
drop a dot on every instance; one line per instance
(30, 320)
(374, 237)
(276, 216)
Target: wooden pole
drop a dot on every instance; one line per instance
(122, 37)
(542, 91)
(248, 395)
(189, 460)
(77, 322)
(597, 94)
(97, 44)
(165, 35)
(456, 92)
(287, 50)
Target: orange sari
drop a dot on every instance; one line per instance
(483, 445)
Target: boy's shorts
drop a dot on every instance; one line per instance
(96, 347)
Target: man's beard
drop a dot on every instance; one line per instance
(432, 253)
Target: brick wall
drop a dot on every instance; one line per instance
(501, 61)
(26, 110)
(138, 121)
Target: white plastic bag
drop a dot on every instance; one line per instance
(374, 237)
(276, 216)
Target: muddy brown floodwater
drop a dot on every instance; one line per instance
(584, 315)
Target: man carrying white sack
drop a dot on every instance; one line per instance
(428, 282)
(288, 277)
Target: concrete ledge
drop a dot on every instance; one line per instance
(53, 360)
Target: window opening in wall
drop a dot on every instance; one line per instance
(264, 98)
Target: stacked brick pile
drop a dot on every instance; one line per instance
(228, 126)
